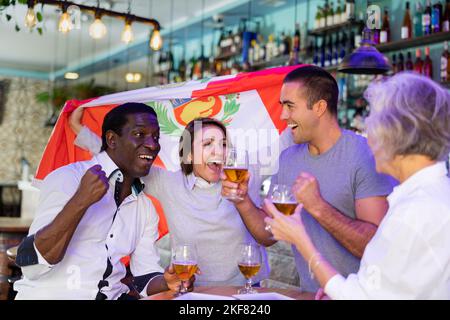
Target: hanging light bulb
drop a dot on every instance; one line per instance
(97, 30)
(156, 40)
(65, 22)
(127, 33)
(30, 17)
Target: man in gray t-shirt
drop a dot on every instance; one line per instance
(345, 173)
(343, 198)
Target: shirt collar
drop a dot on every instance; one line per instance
(114, 174)
(194, 181)
(421, 178)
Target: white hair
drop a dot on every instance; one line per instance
(409, 114)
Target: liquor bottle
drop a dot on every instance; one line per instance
(409, 64)
(445, 59)
(418, 19)
(287, 44)
(343, 13)
(428, 64)
(335, 58)
(401, 63)
(238, 36)
(446, 17)
(325, 11)
(281, 44)
(407, 25)
(182, 69)
(256, 51)
(426, 19)
(394, 64)
(219, 43)
(436, 17)
(262, 48)
(330, 15)
(318, 18)
(323, 18)
(251, 52)
(385, 33)
(296, 43)
(344, 44)
(418, 65)
(191, 66)
(270, 48)
(358, 37)
(322, 53)
(316, 56)
(337, 13)
(350, 10)
(329, 54)
(351, 42)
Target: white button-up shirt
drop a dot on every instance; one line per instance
(106, 232)
(409, 256)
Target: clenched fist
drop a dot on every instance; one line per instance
(306, 191)
(93, 185)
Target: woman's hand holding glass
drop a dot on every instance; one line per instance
(235, 175)
(283, 227)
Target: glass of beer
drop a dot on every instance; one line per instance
(283, 199)
(184, 261)
(249, 263)
(236, 168)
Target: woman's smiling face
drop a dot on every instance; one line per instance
(208, 153)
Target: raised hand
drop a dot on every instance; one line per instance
(307, 191)
(233, 188)
(93, 186)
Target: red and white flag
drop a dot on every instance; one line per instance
(248, 103)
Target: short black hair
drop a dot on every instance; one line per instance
(116, 119)
(318, 85)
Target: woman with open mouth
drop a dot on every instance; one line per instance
(191, 198)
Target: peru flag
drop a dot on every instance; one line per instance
(247, 103)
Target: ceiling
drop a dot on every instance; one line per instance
(50, 55)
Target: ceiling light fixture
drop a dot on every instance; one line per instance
(156, 41)
(65, 22)
(30, 17)
(127, 33)
(97, 29)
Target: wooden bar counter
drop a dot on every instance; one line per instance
(229, 291)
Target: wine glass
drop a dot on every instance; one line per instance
(249, 263)
(283, 199)
(184, 261)
(236, 168)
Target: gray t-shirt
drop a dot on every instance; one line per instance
(197, 213)
(345, 173)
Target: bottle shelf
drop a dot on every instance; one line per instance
(228, 56)
(414, 42)
(277, 61)
(335, 28)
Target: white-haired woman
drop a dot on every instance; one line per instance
(409, 256)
